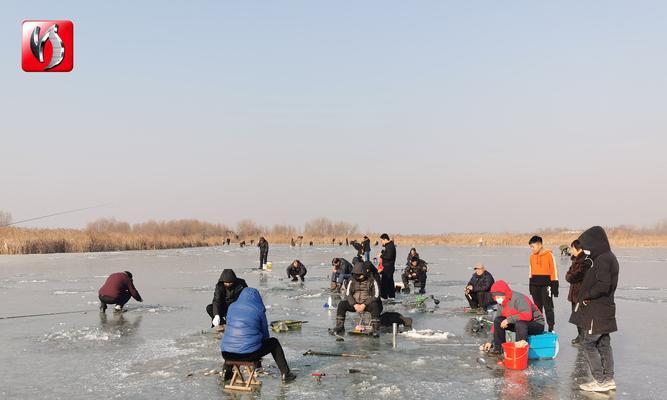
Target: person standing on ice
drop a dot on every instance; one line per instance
(366, 243)
(595, 311)
(516, 313)
(574, 276)
(543, 282)
(263, 245)
(227, 291)
(388, 256)
(117, 289)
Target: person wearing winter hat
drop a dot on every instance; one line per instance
(516, 313)
(595, 310)
(227, 291)
(362, 295)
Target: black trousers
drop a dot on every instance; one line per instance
(120, 300)
(421, 278)
(521, 328)
(270, 345)
(479, 299)
(599, 355)
(296, 277)
(387, 285)
(223, 314)
(375, 308)
(544, 303)
(263, 257)
(579, 330)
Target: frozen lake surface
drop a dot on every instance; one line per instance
(157, 349)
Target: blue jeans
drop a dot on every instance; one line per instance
(367, 255)
(599, 355)
(338, 277)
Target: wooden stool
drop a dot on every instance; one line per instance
(239, 381)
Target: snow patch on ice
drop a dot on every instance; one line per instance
(427, 334)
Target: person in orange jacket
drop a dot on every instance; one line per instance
(543, 276)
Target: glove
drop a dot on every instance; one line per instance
(216, 320)
(554, 288)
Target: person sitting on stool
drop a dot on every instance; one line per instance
(247, 337)
(516, 313)
(478, 290)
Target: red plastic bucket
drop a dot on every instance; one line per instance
(515, 357)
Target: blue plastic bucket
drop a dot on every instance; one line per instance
(543, 347)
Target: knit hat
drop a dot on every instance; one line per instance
(227, 275)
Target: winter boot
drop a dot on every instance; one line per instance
(333, 287)
(340, 327)
(375, 324)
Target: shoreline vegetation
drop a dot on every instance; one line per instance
(106, 235)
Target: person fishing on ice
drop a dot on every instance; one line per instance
(117, 289)
(516, 313)
(362, 295)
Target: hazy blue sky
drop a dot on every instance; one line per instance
(428, 116)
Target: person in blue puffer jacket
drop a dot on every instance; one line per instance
(247, 337)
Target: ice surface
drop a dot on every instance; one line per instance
(163, 348)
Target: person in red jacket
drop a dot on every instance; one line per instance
(117, 289)
(516, 313)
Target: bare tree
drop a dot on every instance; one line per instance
(5, 218)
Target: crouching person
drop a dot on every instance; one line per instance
(362, 295)
(516, 313)
(227, 290)
(341, 272)
(415, 271)
(296, 270)
(118, 289)
(247, 334)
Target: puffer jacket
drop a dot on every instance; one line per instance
(224, 296)
(595, 310)
(481, 283)
(576, 273)
(516, 306)
(247, 326)
(362, 292)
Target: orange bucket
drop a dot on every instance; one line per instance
(515, 357)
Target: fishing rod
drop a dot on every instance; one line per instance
(46, 314)
(53, 215)
(322, 353)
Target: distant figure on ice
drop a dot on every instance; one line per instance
(229, 241)
(347, 242)
(247, 334)
(595, 311)
(543, 279)
(242, 244)
(263, 245)
(388, 256)
(366, 243)
(415, 271)
(117, 289)
(292, 243)
(478, 290)
(359, 247)
(227, 291)
(516, 313)
(296, 270)
(340, 274)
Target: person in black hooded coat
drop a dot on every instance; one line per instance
(595, 311)
(227, 291)
(388, 256)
